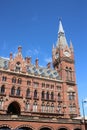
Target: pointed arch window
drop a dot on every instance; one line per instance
(47, 107)
(70, 74)
(2, 89)
(52, 95)
(52, 108)
(4, 78)
(18, 66)
(71, 95)
(28, 93)
(13, 80)
(43, 95)
(35, 93)
(67, 73)
(18, 91)
(13, 90)
(1, 104)
(27, 106)
(59, 96)
(43, 107)
(19, 81)
(35, 106)
(47, 95)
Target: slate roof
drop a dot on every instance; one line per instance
(33, 70)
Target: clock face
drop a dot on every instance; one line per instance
(56, 56)
(66, 53)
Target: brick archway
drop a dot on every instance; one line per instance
(45, 128)
(5, 128)
(24, 128)
(14, 108)
(63, 128)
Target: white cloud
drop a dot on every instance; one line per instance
(49, 59)
(32, 52)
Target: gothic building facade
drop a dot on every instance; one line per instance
(40, 98)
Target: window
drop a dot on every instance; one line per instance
(1, 104)
(67, 74)
(47, 107)
(36, 84)
(72, 108)
(43, 107)
(4, 78)
(13, 80)
(13, 91)
(35, 106)
(18, 91)
(59, 97)
(28, 82)
(27, 106)
(2, 89)
(59, 109)
(58, 88)
(28, 93)
(52, 95)
(52, 108)
(43, 95)
(35, 93)
(47, 95)
(43, 85)
(18, 66)
(47, 85)
(71, 95)
(19, 81)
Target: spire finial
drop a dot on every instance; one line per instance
(60, 27)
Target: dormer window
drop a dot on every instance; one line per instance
(18, 66)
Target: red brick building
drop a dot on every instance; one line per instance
(38, 98)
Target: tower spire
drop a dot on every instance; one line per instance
(61, 42)
(61, 30)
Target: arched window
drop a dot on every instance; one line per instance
(52, 108)
(71, 95)
(28, 93)
(43, 95)
(43, 107)
(19, 81)
(1, 104)
(52, 95)
(2, 89)
(59, 97)
(18, 66)
(27, 106)
(67, 74)
(47, 95)
(35, 106)
(13, 90)
(13, 80)
(47, 107)
(4, 78)
(18, 91)
(35, 93)
(70, 73)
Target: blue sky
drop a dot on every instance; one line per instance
(33, 24)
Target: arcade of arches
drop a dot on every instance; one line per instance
(27, 128)
(15, 109)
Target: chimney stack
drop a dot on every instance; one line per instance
(36, 63)
(49, 65)
(11, 56)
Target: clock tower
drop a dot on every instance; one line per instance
(63, 62)
(63, 56)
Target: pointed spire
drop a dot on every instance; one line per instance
(61, 42)
(60, 27)
(71, 46)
